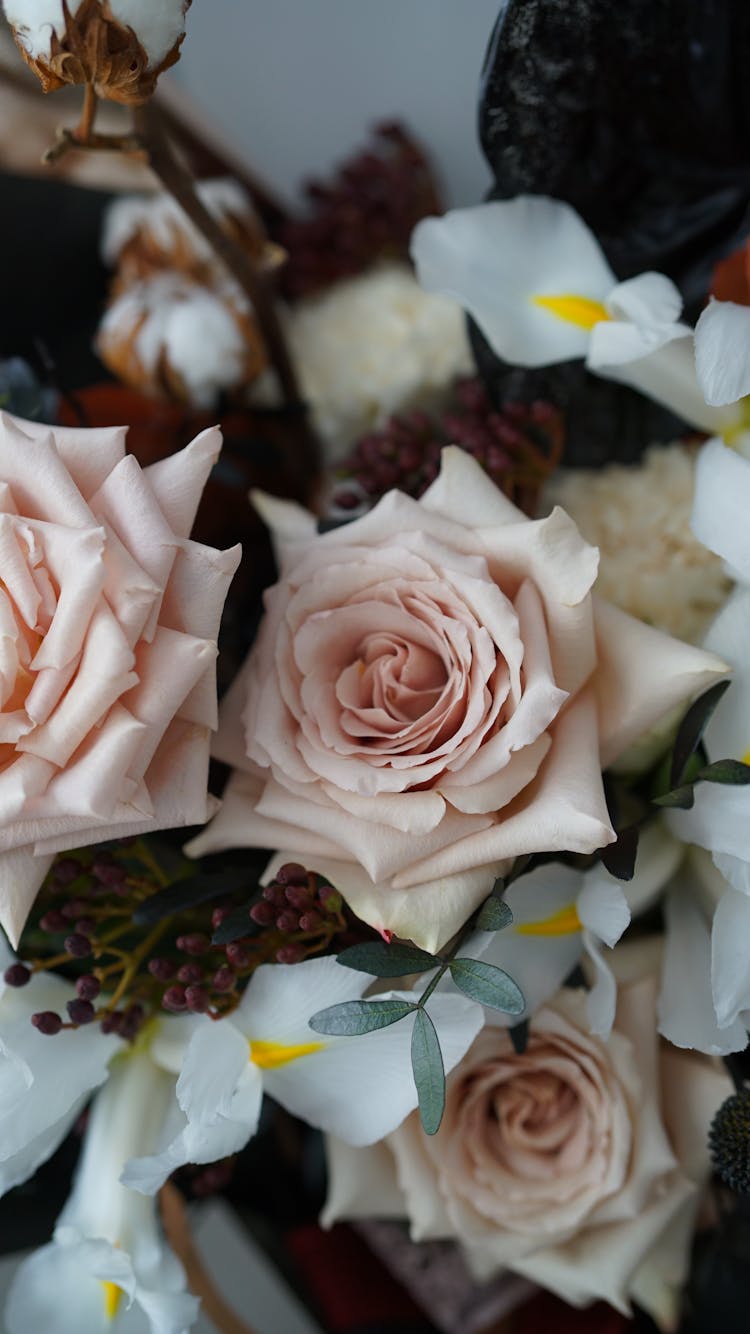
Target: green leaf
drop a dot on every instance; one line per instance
(188, 893)
(429, 1073)
(350, 1018)
(488, 985)
(732, 772)
(681, 797)
(494, 915)
(383, 960)
(691, 730)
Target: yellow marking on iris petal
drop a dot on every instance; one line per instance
(573, 309)
(745, 759)
(563, 923)
(270, 1055)
(739, 424)
(113, 1295)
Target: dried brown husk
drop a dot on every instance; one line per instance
(119, 351)
(97, 49)
(144, 253)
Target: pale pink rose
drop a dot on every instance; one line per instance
(108, 624)
(560, 1164)
(434, 692)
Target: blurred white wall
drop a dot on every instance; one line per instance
(295, 84)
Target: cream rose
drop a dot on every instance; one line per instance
(560, 1163)
(433, 692)
(108, 624)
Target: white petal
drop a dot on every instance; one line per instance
(658, 857)
(601, 1001)
(730, 957)
(59, 1289)
(495, 258)
(734, 869)
(202, 1141)
(544, 943)
(686, 1007)
(650, 299)
(603, 907)
(214, 1061)
(668, 376)
(722, 352)
(361, 1182)
(721, 504)
(361, 1088)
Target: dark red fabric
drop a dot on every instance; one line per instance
(348, 1285)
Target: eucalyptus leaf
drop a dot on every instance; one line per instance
(494, 915)
(691, 730)
(732, 772)
(382, 960)
(681, 797)
(429, 1072)
(351, 1018)
(188, 893)
(488, 985)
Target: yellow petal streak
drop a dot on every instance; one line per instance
(563, 923)
(746, 757)
(112, 1297)
(270, 1055)
(573, 309)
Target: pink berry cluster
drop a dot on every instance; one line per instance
(518, 446)
(188, 962)
(367, 212)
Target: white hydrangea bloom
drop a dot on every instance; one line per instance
(371, 346)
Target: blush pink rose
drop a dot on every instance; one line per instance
(108, 624)
(433, 693)
(567, 1164)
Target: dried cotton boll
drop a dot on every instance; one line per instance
(651, 564)
(119, 46)
(145, 233)
(172, 337)
(370, 346)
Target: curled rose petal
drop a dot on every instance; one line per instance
(108, 622)
(432, 693)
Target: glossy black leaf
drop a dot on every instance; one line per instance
(190, 892)
(239, 923)
(691, 730)
(619, 857)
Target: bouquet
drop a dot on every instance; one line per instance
(467, 887)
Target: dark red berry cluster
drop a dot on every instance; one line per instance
(182, 964)
(518, 447)
(366, 212)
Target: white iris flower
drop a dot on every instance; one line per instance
(44, 1082)
(108, 1267)
(535, 279)
(358, 1088)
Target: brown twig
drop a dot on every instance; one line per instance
(176, 1226)
(177, 180)
(113, 143)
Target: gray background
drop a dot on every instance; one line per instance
(294, 84)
